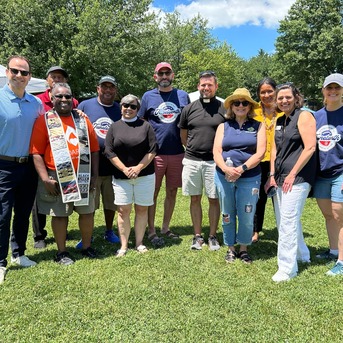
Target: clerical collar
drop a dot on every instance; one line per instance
(129, 120)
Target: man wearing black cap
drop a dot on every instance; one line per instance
(102, 111)
(55, 74)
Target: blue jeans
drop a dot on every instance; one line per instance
(18, 185)
(237, 201)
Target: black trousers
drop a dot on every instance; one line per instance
(18, 186)
(38, 223)
(261, 203)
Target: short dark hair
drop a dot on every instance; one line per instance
(20, 58)
(208, 73)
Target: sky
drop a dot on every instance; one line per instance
(247, 25)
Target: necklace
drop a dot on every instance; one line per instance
(272, 121)
(164, 93)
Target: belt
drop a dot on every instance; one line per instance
(22, 159)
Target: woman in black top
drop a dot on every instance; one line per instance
(292, 172)
(131, 146)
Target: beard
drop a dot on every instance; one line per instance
(165, 83)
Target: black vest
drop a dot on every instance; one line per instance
(289, 146)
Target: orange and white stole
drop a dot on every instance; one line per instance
(74, 188)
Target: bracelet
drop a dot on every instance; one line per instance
(270, 174)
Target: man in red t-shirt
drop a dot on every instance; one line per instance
(54, 75)
(49, 149)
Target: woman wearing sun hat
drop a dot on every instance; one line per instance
(329, 183)
(239, 146)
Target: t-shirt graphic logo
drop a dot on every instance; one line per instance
(327, 137)
(72, 136)
(167, 112)
(101, 126)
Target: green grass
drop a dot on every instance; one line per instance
(172, 294)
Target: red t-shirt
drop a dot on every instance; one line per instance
(40, 143)
(46, 100)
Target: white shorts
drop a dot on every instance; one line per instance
(138, 191)
(198, 175)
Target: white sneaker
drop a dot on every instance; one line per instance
(280, 276)
(23, 261)
(2, 274)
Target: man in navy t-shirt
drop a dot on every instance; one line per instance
(102, 111)
(161, 107)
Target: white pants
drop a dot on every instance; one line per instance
(288, 210)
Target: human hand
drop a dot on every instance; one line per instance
(52, 186)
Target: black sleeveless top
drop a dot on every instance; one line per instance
(289, 146)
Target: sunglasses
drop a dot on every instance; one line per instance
(132, 106)
(244, 103)
(207, 73)
(17, 71)
(166, 73)
(60, 96)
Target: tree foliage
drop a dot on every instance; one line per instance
(89, 38)
(310, 44)
(220, 59)
(255, 69)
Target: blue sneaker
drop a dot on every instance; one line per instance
(336, 270)
(111, 237)
(79, 243)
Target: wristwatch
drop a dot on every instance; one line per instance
(244, 167)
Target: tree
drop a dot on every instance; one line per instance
(220, 59)
(255, 69)
(310, 44)
(89, 38)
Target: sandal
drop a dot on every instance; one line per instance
(230, 256)
(244, 256)
(142, 249)
(170, 234)
(121, 252)
(255, 237)
(156, 241)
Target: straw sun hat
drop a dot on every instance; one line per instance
(240, 93)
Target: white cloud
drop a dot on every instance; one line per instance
(228, 13)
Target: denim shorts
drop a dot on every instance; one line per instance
(329, 188)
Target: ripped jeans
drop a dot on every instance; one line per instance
(237, 202)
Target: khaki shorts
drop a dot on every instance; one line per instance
(53, 206)
(105, 189)
(198, 176)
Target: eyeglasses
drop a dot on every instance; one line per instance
(207, 73)
(132, 106)
(166, 73)
(244, 103)
(60, 96)
(17, 71)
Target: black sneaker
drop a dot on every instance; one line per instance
(64, 259)
(40, 244)
(230, 256)
(326, 255)
(89, 252)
